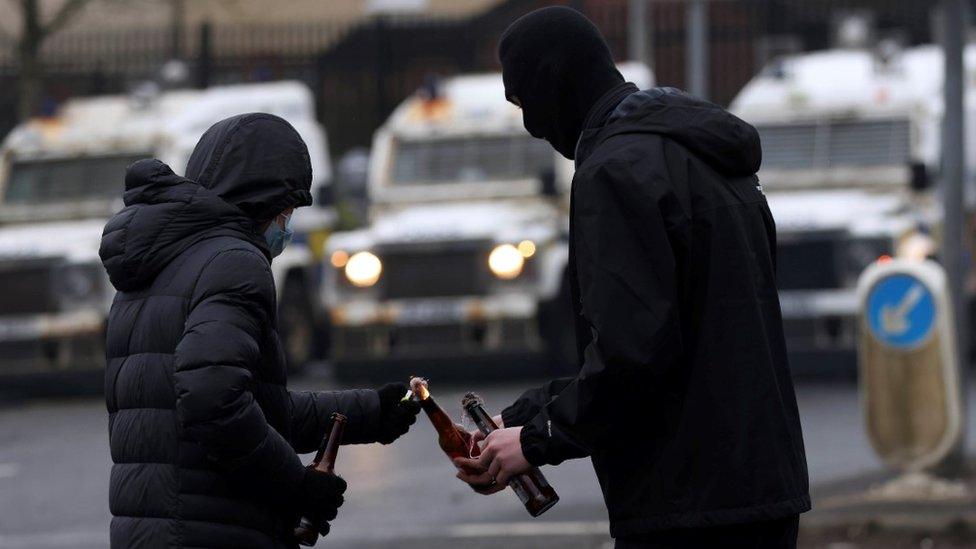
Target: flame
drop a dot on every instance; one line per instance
(419, 387)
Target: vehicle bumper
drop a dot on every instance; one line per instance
(821, 332)
(52, 343)
(370, 340)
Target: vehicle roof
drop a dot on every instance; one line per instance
(842, 81)
(137, 124)
(475, 102)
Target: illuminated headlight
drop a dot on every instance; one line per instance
(363, 269)
(506, 261)
(526, 248)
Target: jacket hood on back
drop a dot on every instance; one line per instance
(244, 170)
(725, 142)
(164, 215)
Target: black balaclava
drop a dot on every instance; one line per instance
(555, 61)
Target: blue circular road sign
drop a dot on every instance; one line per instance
(901, 311)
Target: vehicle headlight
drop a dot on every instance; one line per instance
(506, 261)
(526, 248)
(339, 258)
(363, 269)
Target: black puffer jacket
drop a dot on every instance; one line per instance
(684, 400)
(203, 430)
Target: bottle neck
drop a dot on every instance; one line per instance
(437, 415)
(481, 418)
(331, 451)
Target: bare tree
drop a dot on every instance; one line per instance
(34, 31)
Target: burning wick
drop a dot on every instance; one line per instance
(418, 386)
(471, 399)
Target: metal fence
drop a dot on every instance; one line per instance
(361, 71)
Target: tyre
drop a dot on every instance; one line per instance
(296, 324)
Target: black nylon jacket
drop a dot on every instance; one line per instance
(684, 399)
(202, 429)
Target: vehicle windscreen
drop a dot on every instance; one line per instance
(460, 160)
(38, 182)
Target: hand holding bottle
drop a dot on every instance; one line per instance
(321, 489)
(506, 466)
(322, 497)
(501, 459)
(477, 436)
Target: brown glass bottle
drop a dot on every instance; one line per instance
(532, 488)
(452, 438)
(306, 533)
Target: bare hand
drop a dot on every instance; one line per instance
(501, 459)
(477, 436)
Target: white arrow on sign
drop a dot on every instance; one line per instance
(894, 318)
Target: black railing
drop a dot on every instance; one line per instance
(359, 71)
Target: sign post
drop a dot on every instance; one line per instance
(908, 361)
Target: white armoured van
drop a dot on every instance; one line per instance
(61, 177)
(851, 165)
(464, 258)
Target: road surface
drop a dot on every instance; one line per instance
(54, 469)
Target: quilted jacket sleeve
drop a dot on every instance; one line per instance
(312, 412)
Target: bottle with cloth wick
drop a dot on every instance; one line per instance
(532, 488)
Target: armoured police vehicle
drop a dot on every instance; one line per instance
(464, 259)
(61, 177)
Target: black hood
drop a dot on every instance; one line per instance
(244, 170)
(557, 64)
(724, 141)
(257, 162)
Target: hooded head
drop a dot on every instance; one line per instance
(556, 65)
(244, 171)
(256, 162)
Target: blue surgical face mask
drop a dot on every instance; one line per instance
(276, 237)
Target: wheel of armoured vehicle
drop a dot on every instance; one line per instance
(295, 323)
(558, 331)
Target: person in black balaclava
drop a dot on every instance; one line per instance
(684, 399)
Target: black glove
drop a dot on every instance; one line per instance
(396, 414)
(321, 498)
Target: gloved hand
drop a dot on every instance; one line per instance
(396, 414)
(321, 498)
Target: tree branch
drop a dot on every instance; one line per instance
(63, 16)
(8, 7)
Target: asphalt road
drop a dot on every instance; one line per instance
(54, 468)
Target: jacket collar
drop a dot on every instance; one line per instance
(599, 114)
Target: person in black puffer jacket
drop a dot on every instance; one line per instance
(204, 433)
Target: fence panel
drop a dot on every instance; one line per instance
(360, 71)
